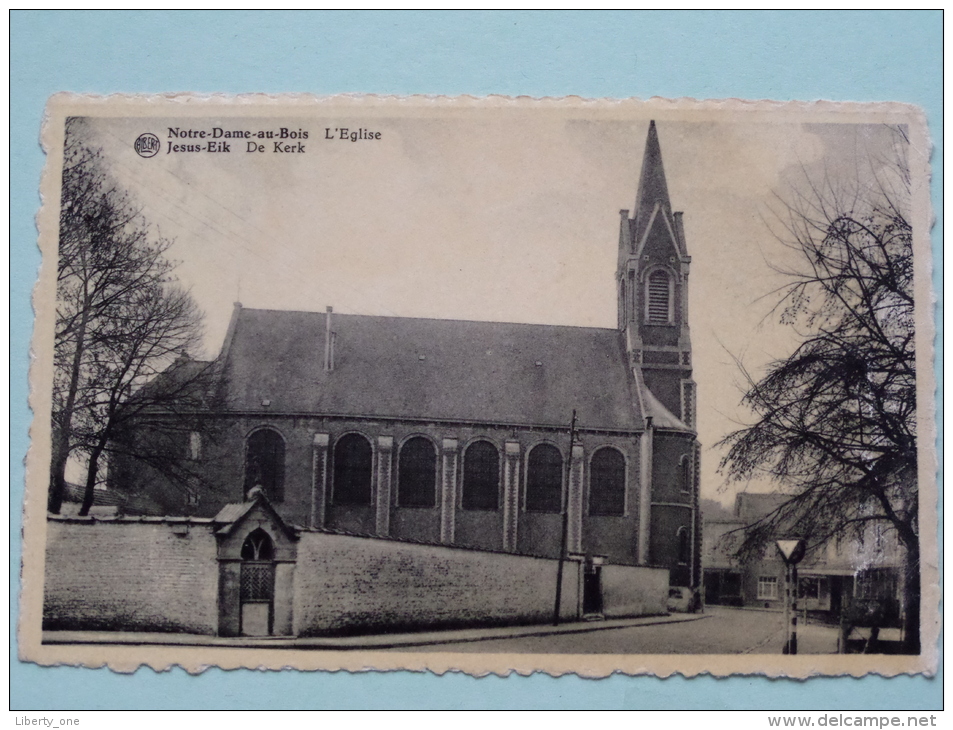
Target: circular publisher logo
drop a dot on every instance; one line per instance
(147, 145)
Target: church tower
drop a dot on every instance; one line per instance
(652, 279)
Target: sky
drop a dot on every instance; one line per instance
(497, 215)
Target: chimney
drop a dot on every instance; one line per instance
(328, 342)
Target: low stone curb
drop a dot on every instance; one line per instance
(345, 643)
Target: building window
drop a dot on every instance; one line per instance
(417, 474)
(876, 583)
(684, 546)
(195, 445)
(659, 300)
(685, 474)
(265, 463)
(767, 588)
(607, 483)
(544, 479)
(481, 476)
(352, 471)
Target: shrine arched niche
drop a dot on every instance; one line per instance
(256, 555)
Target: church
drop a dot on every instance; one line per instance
(457, 433)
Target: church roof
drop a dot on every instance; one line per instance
(397, 367)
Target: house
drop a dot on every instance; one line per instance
(830, 577)
(457, 433)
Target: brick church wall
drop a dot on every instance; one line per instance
(130, 576)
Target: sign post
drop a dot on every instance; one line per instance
(792, 552)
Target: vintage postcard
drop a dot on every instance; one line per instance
(490, 385)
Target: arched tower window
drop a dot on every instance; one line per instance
(265, 463)
(417, 474)
(481, 476)
(544, 479)
(352, 471)
(685, 474)
(607, 482)
(684, 546)
(658, 303)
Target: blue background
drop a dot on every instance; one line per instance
(860, 56)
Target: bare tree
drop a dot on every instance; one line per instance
(121, 319)
(836, 424)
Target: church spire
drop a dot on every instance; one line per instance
(652, 186)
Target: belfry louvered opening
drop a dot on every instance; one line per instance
(659, 304)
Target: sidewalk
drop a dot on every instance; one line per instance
(344, 643)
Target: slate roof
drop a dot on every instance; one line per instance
(231, 515)
(233, 512)
(485, 372)
(662, 417)
(76, 493)
(752, 506)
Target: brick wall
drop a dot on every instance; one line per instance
(632, 591)
(615, 537)
(130, 576)
(386, 585)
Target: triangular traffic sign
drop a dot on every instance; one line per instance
(787, 547)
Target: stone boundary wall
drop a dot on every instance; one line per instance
(389, 586)
(633, 591)
(130, 576)
(156, 574)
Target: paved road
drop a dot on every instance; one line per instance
(722, 631)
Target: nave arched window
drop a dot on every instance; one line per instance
(353, 462)
(417, 474)
(544, 479)
(265, 463)
(607, 482)
(481, 476)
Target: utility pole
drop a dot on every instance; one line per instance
(565, 531)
